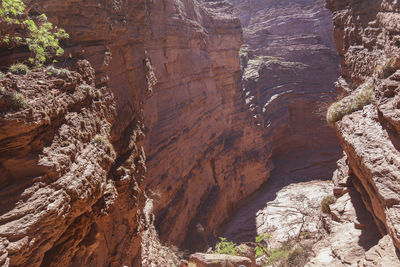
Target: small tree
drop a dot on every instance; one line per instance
(41, 37)
(224, 246)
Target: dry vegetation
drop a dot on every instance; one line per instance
(348, 104)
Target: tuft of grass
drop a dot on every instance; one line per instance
(387, 69)
(2, 75)
(19, 68)
(348, 104)
(326, 201)
(85, 87)
(54, 72)
(299, 256)
(98, 140)
(224, 246)
(98, 95)
(280, 254)
(18, 101)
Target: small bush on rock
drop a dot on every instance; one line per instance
(348, 104)
(54, 72)
(326, 201)
(19, 68)
(18, 101)
(224, 246)
(279, 254)
(98, 140)
(261, 247)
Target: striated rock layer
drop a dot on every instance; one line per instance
(367, 39)
(58, 191)
(289, 67)
(204, 153)
(72, 178)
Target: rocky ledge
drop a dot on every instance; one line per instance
(367, 39)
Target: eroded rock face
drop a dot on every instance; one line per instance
(350, 229)
(366, 37)
(204, 154)
(67, 200)
(173, 65)
(289, 67)
(57, 192)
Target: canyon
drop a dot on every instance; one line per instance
(179, 122)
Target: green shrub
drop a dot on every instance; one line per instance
(347, 105)
(224, 246)
(98, 95)
(2, 75)
(326, 201)
(261, 247)
(98, 140)
(54, 72)
(85, 87)
(18, 101)
(19, 68)
(41, 37)
(278, 254)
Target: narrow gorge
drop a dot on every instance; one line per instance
(200, 133)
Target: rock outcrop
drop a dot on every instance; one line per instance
(218, 260)
(367, 39)
(57, 192)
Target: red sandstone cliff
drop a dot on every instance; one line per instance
(367, 40)
(173, 69)
(289, 67)
(204, 153)
(166, 100)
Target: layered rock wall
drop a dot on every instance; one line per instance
(289, 67)
(204, 153)
(68, 199)
(171, 64)
(367, 38)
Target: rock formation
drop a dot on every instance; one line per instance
(290, 65)
(203, 152)
(289, 68)
(366, 37)
(70, 197)
(171, 64)
(157, 130)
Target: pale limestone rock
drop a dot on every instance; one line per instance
(218, 260)
(381, 255)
